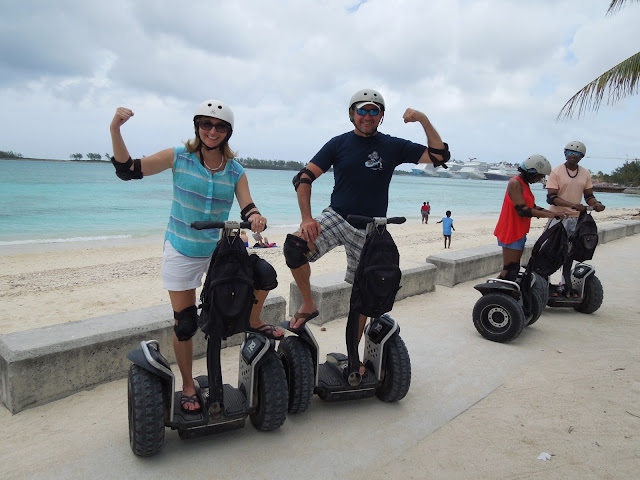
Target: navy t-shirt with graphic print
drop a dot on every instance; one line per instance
(362, 169)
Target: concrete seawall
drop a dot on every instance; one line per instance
(44, 364)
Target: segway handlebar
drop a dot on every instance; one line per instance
(377, 220)
(229, 224)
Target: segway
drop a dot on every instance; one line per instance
(499, 315)
(262, 392)
(386, 359)
(586, 293)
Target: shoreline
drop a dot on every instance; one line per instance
(62, 283)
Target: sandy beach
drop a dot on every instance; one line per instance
(568, 387)
(48, 285)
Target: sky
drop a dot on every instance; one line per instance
(491, 75)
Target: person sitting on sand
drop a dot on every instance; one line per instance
(363, 162)
(262, 242)
(206, 170)
(244, 238)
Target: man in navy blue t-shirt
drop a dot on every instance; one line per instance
(363, 161)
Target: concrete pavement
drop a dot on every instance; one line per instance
(453, 368)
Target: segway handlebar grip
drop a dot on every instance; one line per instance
(379, 220)
(205, 225)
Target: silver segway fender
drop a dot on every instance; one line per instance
(378, 332)
(498, 285)
(579, 276)
(253, 349)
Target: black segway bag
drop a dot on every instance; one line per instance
(550, 250)
(584, 240)
(227, 295)
(377, 278)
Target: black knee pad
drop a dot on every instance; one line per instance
(187, 323)
(264, 275)
(295, 251)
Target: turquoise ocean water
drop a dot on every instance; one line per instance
(64, 202)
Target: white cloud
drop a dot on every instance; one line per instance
(492, 75)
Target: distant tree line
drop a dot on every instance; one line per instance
(270, 164)
(628, 174)
(92, 157)
(10, 154)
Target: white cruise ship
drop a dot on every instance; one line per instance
(473, 169)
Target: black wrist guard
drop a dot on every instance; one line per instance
(243, 213)
(124, 172)
(446, 155)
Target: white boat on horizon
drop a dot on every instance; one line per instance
(424, 170)
(473, 169)
(501, 172)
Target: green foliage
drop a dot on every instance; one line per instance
(270, 164)
(75, 156)
(10, 154)
(628, 174)
(94, 156)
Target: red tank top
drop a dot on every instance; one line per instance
(511, 226)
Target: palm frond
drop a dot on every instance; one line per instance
(620, 82)
(617, 5)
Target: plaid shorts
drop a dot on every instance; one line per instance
(337, 231)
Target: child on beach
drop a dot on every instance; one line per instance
(447, 226)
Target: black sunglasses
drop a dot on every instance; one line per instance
(206, 125)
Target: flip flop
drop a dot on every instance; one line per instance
(268, 331)
(190, 400)
(305, 316)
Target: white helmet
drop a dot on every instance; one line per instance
(367, 95)
(577, 146)
(536, 164)
(215, 109)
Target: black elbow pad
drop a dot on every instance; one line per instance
(523, 210)
(551, 198)
(446, 155)
(123, 171)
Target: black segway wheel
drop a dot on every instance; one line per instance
(542, 286)
(273, 396)
(498, 317)
(537, 305)
(397, 371)
(146, 412)
(298, 366)
(593, 295)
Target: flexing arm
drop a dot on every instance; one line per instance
(434, 142)
(150, 165)
(309, 228)
(248, 209)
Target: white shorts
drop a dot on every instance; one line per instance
(181, 273)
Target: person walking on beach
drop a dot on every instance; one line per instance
(425, 210)
(205, 179)
(568, 183)
(517, 209)
(363, 161)
(447, 226)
